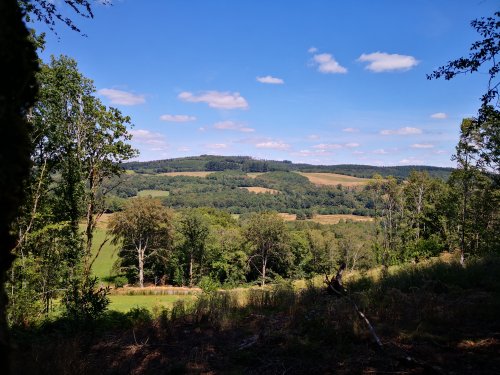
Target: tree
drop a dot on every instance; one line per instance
(195, 230)
(267, 235)
(78, 143)
(143, 230)
(48, 12)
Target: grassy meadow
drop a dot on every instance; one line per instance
(333, 179)
(153, 193)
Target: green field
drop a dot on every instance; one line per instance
(124, 303)
(153, 193)
(107, 256)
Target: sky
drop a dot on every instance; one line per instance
(318, 81)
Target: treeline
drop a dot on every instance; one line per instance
(210, 248)
(225, 190)
(248, 164)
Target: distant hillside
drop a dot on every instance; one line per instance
(248, 164)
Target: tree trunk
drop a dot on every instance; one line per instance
(140, 254)
(191, 260)
(264, 265)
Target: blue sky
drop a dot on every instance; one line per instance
(319, 81)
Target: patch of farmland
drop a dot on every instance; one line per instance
(153, 193)
(334, 219)
(287, 217)
(260, 190)
(333, 179)
(189, 174)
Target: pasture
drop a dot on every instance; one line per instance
(333, 179)
(189, 174)
(260, 190)
(153, 193)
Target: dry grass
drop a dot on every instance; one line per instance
(327, 219)
(189, 174)
(287, 217)
(332, 179)
(260, 190)
(335, 219)
(254, 174)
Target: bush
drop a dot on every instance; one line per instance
(120, 281)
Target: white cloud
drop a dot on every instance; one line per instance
(313, 136)
(312, 50)
(155, 141)
(385, 62)
(327, 146)
(350, 130)
(422, 145)
(308, 153)
(231, 125)
(184, 149)
(439, 115)
(358, 152)
(327, 64)
(177, 118)
(216, 146)
(271, 80)
(275, 145)
(411, 160)
(202, 129)
(216, 99)
(122, 97)
(380, 151)
(402, 131)
(335, 146)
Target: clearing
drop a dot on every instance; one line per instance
(189, 174)
(327, 219)
(260, 190)
(153, 193)
(332, 179)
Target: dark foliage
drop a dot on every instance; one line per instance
(17, 93)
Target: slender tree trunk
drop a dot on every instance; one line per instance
(264, 266)
(191, 261)
(140, 254)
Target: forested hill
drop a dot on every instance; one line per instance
(248, 164)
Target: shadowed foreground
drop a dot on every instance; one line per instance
(431, 318)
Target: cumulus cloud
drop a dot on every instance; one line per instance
(312, 50)
(177, 118)
(350, 130)
(402, 131)
(308, 153)
(275, 145)
(154, 141)
(121, 97)
(183, 149)
(216, 99)
(327, 64)
(439, 115)
(422, 145)
(380, 151)
(231, 125)
(385, 62)
(411, 160)
(334, 146)
(327, 146)
(271, 80)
